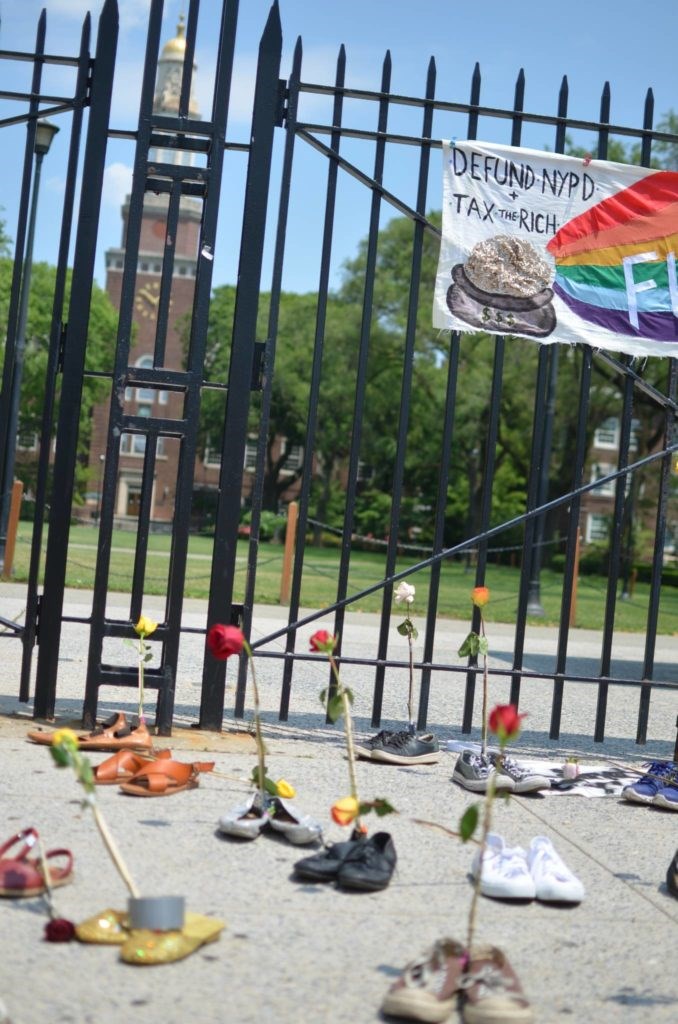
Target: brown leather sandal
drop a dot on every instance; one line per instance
(164, 777)
(116, 734)
(121, 767)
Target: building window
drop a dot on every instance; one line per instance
(251, 456)
(212, 458)
(146, 396)
(27, 441)
(295, 457)
(157, 267)
(598, 471)
(597, 527)
(607, 434)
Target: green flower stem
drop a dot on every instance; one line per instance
(487, 820)
(410, 695)
(348, 731)
(483, 736)
(112, 848)
(142, 653)
(257, 726)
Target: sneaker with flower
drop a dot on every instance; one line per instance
(491, 991)
(427, 989)
(473, 772)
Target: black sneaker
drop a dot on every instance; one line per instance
(364, 748)
(672, 876)
(369, 865)
(324, 867)
(405, 748)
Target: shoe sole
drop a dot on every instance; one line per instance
(531, 786)
(637, 798)
(505, 1014)
(362, 885)
(495, 892)
(480, 785)
(363, 751)
(417, 1005)
(661, 801)
(386, 758)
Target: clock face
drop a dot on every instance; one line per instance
(147, 299)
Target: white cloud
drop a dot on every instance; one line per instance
(117, 184)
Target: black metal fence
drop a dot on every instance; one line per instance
(344, 151)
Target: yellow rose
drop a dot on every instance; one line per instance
(145, 627)
(67, 737)
(285, 790)
(345, 811)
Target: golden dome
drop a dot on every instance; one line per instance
(176, 48)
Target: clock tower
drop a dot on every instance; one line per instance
(142, 401)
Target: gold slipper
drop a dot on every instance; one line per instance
(109, 928)
(148, 947)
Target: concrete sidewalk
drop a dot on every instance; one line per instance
(300, 952)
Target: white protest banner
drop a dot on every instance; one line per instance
(558, 249)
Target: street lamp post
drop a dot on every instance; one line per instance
(44, 133)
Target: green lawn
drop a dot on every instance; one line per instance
(320, 580)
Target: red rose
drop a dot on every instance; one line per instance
(323, 641)
(505, 721)
(59, 930)
(223, 641)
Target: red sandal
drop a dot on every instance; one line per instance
(22, 875)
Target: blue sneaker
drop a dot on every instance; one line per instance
(659, 775)
(667, 797)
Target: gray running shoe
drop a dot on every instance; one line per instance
(524, 781)
(404, 748)
(473, 771)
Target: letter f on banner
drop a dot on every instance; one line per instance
(632, 288)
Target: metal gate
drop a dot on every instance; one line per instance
(281, 134)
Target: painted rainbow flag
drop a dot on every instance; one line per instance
(616, 263)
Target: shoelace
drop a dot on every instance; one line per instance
(400, 739)
(659, 772)
(480, 764)
(514, 768)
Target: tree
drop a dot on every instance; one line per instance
(101, 343)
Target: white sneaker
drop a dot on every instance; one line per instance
(553, 880)
(524, 781)
(505, 874)
(285, 817)
(245, 821)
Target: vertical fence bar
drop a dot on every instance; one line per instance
(314, 389)
(361, 379)
(485, 512)
(290, 121)
(657, 559)
(74, 360)
(242, 350)
(405, 398)
(53, 355)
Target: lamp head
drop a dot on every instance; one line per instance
(44, 133)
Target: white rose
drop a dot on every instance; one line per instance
(405, 592)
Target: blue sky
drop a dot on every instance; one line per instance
(590, 41)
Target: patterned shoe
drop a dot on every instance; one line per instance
(473, 772)
(491, 991)
(524, 781)
(646, 788)
(428, 987)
